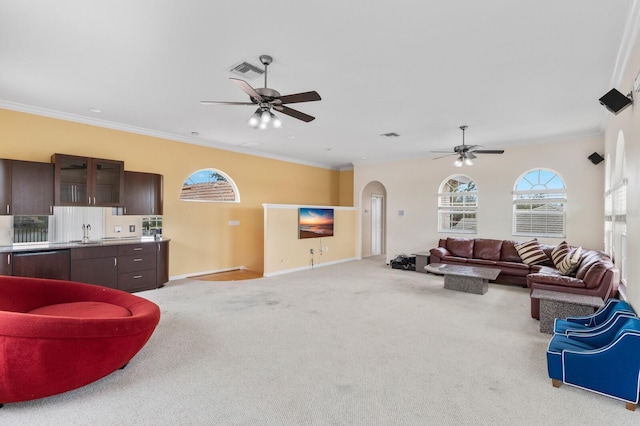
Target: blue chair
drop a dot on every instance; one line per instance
(608, 312)
(606, 361)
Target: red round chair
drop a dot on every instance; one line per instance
(56, 336)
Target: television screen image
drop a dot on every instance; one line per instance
(315, 223)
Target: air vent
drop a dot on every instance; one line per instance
(247, 70)
(390, 135)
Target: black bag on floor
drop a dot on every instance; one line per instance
(402, 261)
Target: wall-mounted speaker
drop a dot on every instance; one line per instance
(615, 101)
(595, 158)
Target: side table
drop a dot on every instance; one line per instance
(422, 260)
(556, 304)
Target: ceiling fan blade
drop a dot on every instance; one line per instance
(246, 88)
(443, 152)
(300, 97)
(294, 113)
(442, 156)
(489, 151)
(225, 103)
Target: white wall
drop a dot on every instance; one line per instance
(628, 122)
(412, 186)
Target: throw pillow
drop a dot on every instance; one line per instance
(559, 253)
(531, 253)
(570, 262)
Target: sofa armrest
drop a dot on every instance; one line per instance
(439, 252)
(559, 280)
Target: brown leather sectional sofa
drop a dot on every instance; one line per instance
(596, 274)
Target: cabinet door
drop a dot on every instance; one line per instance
(71, 180)
(5, 187)
(157, 190)
(31, 188)
(95, 265)
(102, 271)
(137, 193)
(5, 264)
(162, 263)
(142, 193)
(107, 182)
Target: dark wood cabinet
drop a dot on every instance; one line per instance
(137, 267)
(162, 263)
(26, 188)
(31, 188)
(5, 187)
(95, 265)
(5, 264)
(53, 264)
(83, 181)
(142, 193)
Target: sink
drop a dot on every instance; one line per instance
(84, 243)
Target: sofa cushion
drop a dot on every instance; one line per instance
(461, 247)
(570, 263)
(508, 252)
(487, 249)
(559, 253)
(531, 252)
(83, 310)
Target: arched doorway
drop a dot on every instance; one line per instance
(374, 218)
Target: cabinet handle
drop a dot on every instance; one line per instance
(135, 277)
(50, 209)
(94, 201)
(125, 210)
(89, 200)
(7, 208)
(137, 249)
(115, 261)
(8, 259)
(137, 260)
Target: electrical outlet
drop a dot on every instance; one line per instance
(132, 228)
(117, 229)
(325, 249)
(311, 251)
(234, 223)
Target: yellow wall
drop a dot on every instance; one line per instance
(285, 252)
(201, 239)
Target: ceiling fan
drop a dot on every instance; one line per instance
(466, 153)
(268, 99)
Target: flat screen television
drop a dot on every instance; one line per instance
(315, 222)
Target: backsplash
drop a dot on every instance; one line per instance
(66, 225)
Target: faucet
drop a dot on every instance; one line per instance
(85, 232)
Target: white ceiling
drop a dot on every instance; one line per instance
(515, 72)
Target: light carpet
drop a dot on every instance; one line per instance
(357, 343)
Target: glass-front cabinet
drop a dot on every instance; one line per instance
(84, 181)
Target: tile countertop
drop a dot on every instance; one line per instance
(74, 244)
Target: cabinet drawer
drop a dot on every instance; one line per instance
(136, 262)
(93, 252)
(136, 281)
(131, 249)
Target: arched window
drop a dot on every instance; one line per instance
(539, 199)
(458, 205)
(209, 185)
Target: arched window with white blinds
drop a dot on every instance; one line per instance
(539, 199)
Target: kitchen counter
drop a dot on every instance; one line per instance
(30, 247)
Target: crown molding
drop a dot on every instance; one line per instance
(153, 133)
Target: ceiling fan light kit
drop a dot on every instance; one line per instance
(268, 99)
(466, 153)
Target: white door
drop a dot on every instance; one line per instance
(377, 202)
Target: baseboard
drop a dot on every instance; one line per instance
(211, 271)
(304, 268)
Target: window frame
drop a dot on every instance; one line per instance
(225, 178)
(554, 201)
(467, 207)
